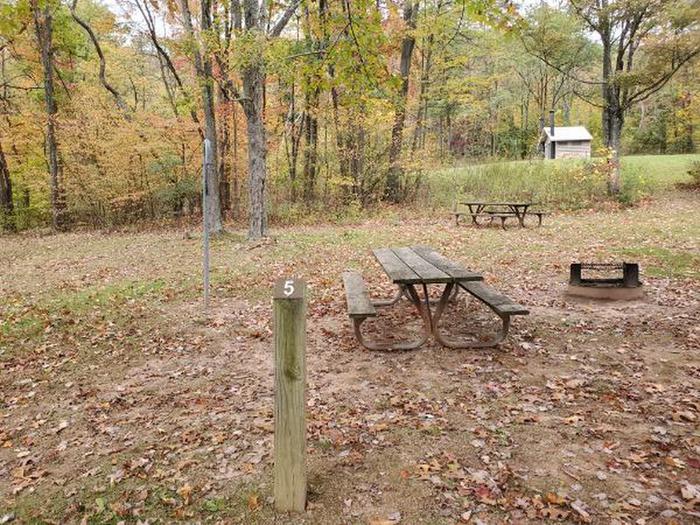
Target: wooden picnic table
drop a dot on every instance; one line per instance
(412, 270)
(500, 210)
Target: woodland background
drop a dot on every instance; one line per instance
(323, 108)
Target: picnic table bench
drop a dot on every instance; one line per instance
(497, 210)
(416, 267)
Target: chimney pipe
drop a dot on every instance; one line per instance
(551, 122)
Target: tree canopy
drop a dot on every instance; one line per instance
(311, 105)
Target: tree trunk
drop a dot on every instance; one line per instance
(44, 33)
(613, 115)
(224, 149)
(203, 67)
(7, 217)
(311, 145)
(292, 138)
(393, 183)
(236, 198)
(614, 120)
(205, 73)
(311, 83)
(422, 115)
(253, 79)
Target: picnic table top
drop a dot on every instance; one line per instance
(482, 203)
(421, 265)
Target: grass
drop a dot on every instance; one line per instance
(662, 171)
(663, 262)
(564, 184)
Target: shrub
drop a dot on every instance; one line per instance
(567, 184)
(694, 173)
(635, 187)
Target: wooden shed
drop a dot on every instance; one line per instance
(566, 142)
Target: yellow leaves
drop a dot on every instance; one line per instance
(185, 492)
(253, 503)
(674, 462)
(554, 498)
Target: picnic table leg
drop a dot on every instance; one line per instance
(410, 292)
(520, 215)
(370, 345)
(455, 343)
(382, 303)
(423, 310)
(475, 213)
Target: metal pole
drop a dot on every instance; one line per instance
(205, 194)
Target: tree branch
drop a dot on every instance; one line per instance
(103, 66)
(284, 19)
(646, 92)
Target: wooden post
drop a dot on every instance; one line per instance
(289, 312)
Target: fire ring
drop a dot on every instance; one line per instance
(623, 287)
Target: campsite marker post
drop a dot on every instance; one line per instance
(289, 316)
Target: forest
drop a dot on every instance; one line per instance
(319, 105)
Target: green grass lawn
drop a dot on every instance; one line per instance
(563, 184)
(666, 170)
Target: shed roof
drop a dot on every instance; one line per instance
(568, 133)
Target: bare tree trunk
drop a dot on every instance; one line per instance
(224, 149)
(613, 121)
(253, 80)
(255, 16)
(393, 183)
(292, 138)
(612, 116)
(203, 66)
(43, 24)
(312, 95)
(426, 64)
(311, 146)
(7, 217)
(236, 200)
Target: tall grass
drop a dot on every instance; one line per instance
(562, 184)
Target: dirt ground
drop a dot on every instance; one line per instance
(122, 402)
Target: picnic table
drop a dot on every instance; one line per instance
(412, 270)
(497, 210)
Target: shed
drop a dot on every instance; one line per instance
(566, 142)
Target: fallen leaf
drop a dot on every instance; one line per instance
(554, 498)
(689, 491)
(185, 493)
(580, 507)
(253, 502)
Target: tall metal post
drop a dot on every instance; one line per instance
(205, 219)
